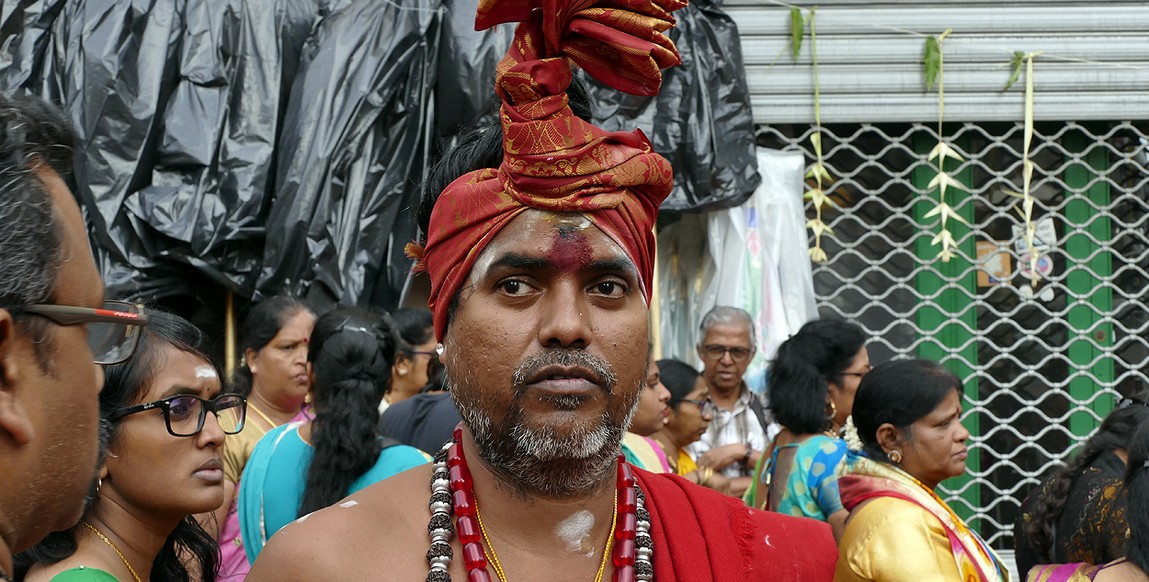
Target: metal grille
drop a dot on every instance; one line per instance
(1041, 369)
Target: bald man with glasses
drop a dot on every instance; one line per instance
(55, 328)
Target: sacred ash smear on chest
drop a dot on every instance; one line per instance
(574, 532)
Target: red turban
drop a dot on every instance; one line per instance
(552, 160)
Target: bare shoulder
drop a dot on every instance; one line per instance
(381, 528)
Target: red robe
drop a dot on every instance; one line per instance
(701, 535)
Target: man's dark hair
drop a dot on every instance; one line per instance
(32, 132)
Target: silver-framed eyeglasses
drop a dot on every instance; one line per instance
(185, 414)
(113, 330)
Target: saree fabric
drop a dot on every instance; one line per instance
(237, 450)
(701, 535)
(552, 159)
(810, 488)
(905, 531)
(644, 453)
(273, 484)
(1079, 572)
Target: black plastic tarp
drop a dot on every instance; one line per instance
(271, 146)
(352, 155)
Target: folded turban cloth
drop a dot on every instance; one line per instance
(552, 160)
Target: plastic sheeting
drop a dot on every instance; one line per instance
(753, 257)
(177, 106)
(352, 155)
(701, 119)
(271, 146)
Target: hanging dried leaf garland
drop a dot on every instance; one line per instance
(1027, 200)
(816, 194)
(935, 75)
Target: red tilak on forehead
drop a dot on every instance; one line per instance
(570, 250)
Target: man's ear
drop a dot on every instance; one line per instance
(14, 419)
(889, 437)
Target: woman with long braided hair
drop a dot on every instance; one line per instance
(300, 467)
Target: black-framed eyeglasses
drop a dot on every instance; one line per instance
(113, 330)
(717, 352)
(185, 414)
(705, 406)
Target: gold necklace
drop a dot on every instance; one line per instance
(605, 551)
(114, 549)
(253, 407)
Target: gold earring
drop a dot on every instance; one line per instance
(99, 483)
(895, 456)
(833, 410)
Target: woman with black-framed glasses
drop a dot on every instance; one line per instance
(162, 425)
(691, 411)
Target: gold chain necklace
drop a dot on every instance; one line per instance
(605, 551)
(265, 418)
(114, 549)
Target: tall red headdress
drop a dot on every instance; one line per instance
(552, 160)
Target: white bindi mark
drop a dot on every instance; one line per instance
(205, 372)
(574, 531)
(347, 504)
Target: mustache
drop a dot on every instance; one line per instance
(593, 367)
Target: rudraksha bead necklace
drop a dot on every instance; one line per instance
(452, 493)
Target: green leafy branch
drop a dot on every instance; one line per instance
(935, 75)
(816, 194)
(1027, 200)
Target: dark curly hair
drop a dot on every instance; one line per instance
(351, 354)
(124, 385)
(1137, 488)
(1115, 432)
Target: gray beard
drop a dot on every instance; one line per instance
(536, 461)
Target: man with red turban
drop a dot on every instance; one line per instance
(541, 273)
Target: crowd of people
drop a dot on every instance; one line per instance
(353, 444)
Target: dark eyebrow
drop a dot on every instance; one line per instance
(180, 390)
(525, 262)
